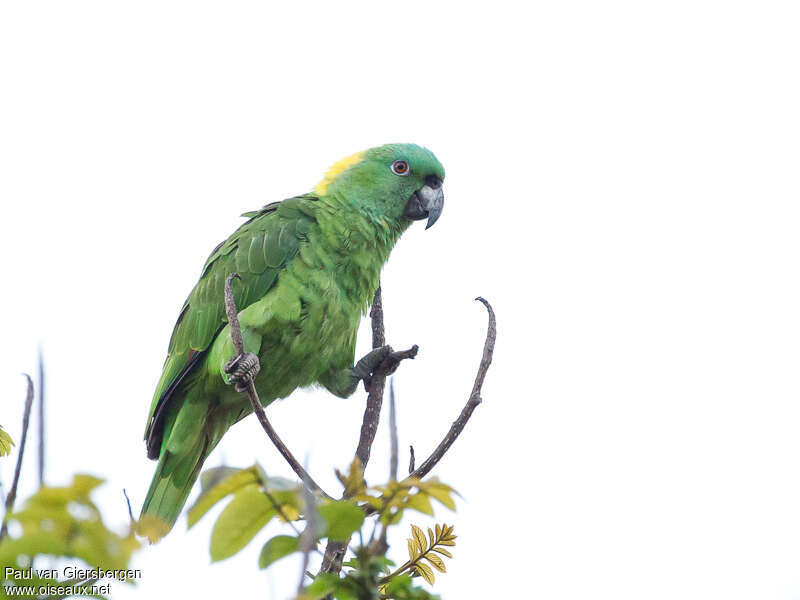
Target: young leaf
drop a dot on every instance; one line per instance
(243, 518)
(228, 485)
(420, 502)
(436, 562)
(277, 548)
(419, 537)
(413, 551)
(425, 571)
(342, 518)
(354, 481)
(440, 491)
(211, 477)
(421, 548)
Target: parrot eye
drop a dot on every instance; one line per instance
(400, 167)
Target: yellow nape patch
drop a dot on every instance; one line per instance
(337, 169)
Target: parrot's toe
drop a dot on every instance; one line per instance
(393, 359)
(242, 370)
(382, 360)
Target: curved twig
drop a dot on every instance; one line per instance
(252, 395)
(474, 400)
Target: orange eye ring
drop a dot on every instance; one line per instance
(400, 167)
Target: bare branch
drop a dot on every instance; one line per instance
(12, 493)
(376, 314)
(41, 418)
(372, 412)
(392, 432)
(411, 461)
(334, 551)
(252, 395)
(474, 400)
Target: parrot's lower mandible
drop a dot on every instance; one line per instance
(308, 269)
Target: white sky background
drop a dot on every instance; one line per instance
(622, 184)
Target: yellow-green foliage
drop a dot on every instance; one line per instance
(255, 500)
(420, 548)
(65, 522)
(5, 442)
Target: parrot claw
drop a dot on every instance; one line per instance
(242, 370)
(383, 360)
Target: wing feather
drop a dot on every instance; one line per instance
(258, 251)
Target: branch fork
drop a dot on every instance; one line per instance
(240, 369)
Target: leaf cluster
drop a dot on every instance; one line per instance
(362, 580)
(420, 548)
(254, 500)
(65, 522)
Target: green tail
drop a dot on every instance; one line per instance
(189, 438)
(169, 489)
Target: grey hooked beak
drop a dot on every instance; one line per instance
(426, 202)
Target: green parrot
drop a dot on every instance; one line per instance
(309, 267)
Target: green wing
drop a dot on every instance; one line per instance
(257, 251)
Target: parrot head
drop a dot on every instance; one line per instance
(401, 182)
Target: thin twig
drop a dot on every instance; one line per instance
(474, 400)
(392, 432)
(128, 502)
(309, 536)
(411, 460)
(252, 395)
(279, 509)
(381, 545)
(41, 418)
(12, 493)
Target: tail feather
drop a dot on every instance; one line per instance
(172, 482)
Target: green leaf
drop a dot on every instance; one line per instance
(228, 485)
(240, 521)
(420, 502)
(324, 584)
(342, 518)
(63, 521)
(440, 491)
(344, 593)
(277, 548)
(211, 477)
(83, 484)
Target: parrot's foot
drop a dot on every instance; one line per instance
(383, 361)
(242, 370)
